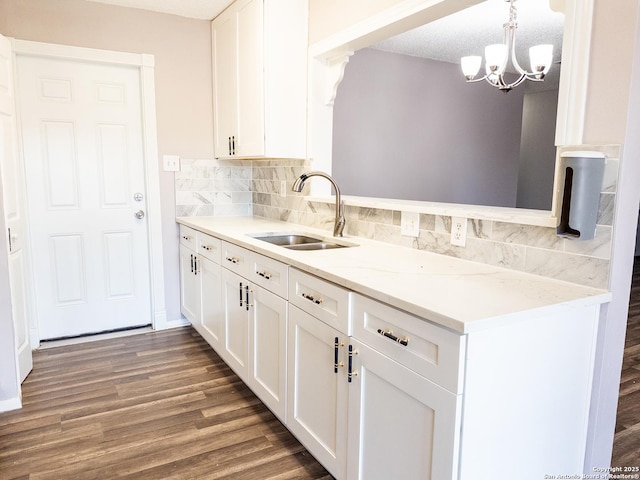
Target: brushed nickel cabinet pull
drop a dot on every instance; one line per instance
(265, 275)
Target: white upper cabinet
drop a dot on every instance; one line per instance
(259, 52)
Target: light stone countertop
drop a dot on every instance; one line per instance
(458, 294)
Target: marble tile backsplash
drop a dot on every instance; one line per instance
(213, 188)
(223, 188)
(536, 250)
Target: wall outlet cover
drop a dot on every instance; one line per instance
(458, 231)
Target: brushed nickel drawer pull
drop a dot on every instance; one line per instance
(389, 334)
(188, 238)
(313, 299)
(208, 248)
(265, 275)
(233, 259)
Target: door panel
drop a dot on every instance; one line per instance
(13, 201)
(82, 141)
(236, 322)
(67, 254)
(268, 336)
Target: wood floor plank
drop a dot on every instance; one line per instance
(157, 405)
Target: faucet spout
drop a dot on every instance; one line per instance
(339, 224)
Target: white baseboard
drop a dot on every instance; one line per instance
(10, 404)
(180, 322)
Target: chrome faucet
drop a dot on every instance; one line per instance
(298, 185)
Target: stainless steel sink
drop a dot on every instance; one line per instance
(288, 239)
(315, 246)
(298, 241)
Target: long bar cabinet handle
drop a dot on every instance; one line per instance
(389, 334)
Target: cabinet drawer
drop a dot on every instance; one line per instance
(429, 350)
(209, 247)
(188, 237)
(268, 273)
(324, 300)
(236, 259)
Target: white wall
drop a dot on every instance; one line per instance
(9, 388)
(182, 51)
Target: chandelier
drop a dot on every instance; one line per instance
(497, 57)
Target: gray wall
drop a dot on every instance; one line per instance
(411, 128)
(537, 150)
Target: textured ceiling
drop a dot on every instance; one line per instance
(469, 31)
(447, 39)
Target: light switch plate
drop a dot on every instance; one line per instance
(410, 224)
(171, 163)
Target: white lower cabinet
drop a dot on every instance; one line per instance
(401, 425)
(255, 322)
(200, 294)
(376, 393)
(212, 317)
(317, 389)
(268, 349)
(189, 285)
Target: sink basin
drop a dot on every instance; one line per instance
(315, 246)
(299, 241)
(289, 239)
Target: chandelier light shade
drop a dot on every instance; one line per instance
(497, 57)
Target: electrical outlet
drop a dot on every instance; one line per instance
(171, 163)
(410, 224)
(283, 188)
(458, 231)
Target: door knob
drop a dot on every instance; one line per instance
(139, 214)
(138, 197)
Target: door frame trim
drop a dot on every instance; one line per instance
(146, 65)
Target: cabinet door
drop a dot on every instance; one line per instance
(189, 286)
(267, 354)
(236, 322)
(401, 425)
(317, 394)
(224, 31)
(212, 328)
(251, 101)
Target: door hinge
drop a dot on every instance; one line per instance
(9, 239)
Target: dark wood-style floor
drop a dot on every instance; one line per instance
(151, 406)
(626, 445)
(163, 405)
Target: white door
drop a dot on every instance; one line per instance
(82, 140)
(317, 389)
(401, 425)
(236, 322)
(189, 286)
(268, 348)
(225, 91)
(212, 314)
(13, 200)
